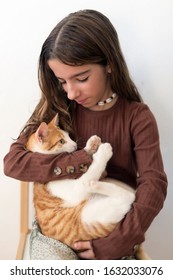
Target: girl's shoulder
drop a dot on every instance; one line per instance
(134, 108)
(132, 105)
(136, 113)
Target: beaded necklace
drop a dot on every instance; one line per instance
(108, 100)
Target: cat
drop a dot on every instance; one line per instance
(87, 208)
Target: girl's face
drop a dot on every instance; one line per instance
(87, 84)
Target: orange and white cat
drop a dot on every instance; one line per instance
(78, 209)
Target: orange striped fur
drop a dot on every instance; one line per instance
(62, 223)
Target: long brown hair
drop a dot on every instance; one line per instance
(83, 37)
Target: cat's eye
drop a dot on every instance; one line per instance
(61, 141)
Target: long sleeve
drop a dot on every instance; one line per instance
(24, 165)
(150, 194)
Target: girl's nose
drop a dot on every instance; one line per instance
(72, 92)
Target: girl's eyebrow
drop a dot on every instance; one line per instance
(76, 75)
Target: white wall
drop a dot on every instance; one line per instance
(146, 34)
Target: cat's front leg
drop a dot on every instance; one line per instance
(98, 166)
(92, 144)
(103, 154)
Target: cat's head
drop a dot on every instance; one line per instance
(50, 139)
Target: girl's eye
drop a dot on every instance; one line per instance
(61, 141)
(83, 80)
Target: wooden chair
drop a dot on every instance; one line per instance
(23, 246)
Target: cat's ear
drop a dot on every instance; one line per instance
(55, 121)
(42, 132)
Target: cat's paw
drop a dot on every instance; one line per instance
(92, 144)
(104, 151)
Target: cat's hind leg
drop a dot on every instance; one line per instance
(102, 209)
(109, 189)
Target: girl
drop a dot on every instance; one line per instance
(83, 76)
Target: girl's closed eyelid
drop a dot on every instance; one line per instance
(83, 80)
(62, 82)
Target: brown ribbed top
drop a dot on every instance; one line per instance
(132, 130)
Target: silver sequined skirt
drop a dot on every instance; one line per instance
(45, 248)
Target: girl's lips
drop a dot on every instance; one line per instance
(81, 101)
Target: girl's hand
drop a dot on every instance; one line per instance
(84, 250)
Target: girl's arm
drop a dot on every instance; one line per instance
(150, 195)
(24, 165)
